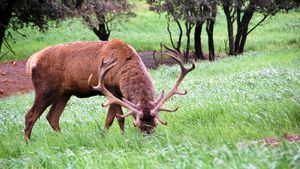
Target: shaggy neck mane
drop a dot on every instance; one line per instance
(136, 84)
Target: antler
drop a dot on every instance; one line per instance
(103, 69)
(161, 99)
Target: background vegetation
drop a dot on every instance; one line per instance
(232, 105)
(148, 29)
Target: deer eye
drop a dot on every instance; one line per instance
(128, 58)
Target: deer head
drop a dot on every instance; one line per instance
(145, 119)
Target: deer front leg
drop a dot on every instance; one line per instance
(111, 114)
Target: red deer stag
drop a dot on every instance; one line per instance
(60, 71)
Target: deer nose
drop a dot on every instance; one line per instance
(150, 131)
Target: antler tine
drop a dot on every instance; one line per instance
(184, 70)
(159, 97)
(125, 115)
(177, 59)
(128, 102)
(102, 71)
(161, 121)
(168, 110)
(174, 90)
(172, 50)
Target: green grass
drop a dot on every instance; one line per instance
(232, 104)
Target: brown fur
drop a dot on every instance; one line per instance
(60, 71)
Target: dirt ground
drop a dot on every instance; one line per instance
(14, 79)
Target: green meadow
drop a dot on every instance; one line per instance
(231, 106)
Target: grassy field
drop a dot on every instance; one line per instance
(232, 104)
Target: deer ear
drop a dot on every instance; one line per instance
(124, 53)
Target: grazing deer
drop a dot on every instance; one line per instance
(60, 71)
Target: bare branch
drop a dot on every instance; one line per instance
(261, 21)
(170, 35)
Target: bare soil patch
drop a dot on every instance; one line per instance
(14, 79)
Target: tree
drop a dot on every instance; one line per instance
(192, 13)
(101, 16)
(180, 11)
(241, 12)
(206, 11)
(17, 14)
(211, 9)
(210, 29)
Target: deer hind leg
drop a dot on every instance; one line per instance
(111, 114)
(41, 102)
(56, 110)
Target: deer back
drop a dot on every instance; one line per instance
(67, 67)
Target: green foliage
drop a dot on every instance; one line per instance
(35, 13)
(103, 16)
(147, 30)
(232, 103)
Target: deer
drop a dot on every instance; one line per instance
(108, 68)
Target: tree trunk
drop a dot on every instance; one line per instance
(188, 27)
(103, 31)
(210, 24)
(229, 29)
(210, 35)
(242, 29)
(197, 41)
(238, 37)
(5, 15)
(244, 33)
(178, 44)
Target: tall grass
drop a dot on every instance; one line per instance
(232, 104)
